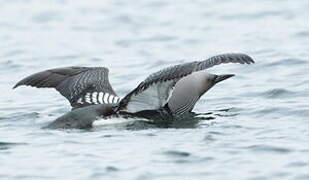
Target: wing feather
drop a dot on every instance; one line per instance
(169, 76)
(72, 82)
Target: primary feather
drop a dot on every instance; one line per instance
(82, 86)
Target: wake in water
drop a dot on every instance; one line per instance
(188, 120)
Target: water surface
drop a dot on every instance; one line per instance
(262, 134)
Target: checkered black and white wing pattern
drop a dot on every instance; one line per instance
(95, 97)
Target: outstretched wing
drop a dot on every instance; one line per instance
(82, 86)
(155, 90)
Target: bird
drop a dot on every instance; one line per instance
(165, 94)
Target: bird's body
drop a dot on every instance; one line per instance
(165, 94)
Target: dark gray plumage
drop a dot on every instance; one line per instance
(82, 118)
(166, 94)
(72, 82)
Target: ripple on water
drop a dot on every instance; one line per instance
(21, 116)
(287, 62)
(99, 172)
(178, 156)
(297, 164)
(302, 177)
(174, 153)
(302, 34)
(111, 135)
(278, 93)
(280, 112)
(46, 17)
(12, 53)
(257, 15)
(259, 178)
(281, 174)
(269, 149)
(8, 64)
(8, 145)
(111, 169)
(274, 93)
(209, 138)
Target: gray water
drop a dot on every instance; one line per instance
(257, 125)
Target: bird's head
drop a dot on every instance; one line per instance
(218, 78)
(213, 79)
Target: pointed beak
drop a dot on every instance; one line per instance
(220, 78)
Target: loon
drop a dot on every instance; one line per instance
(168, 93)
